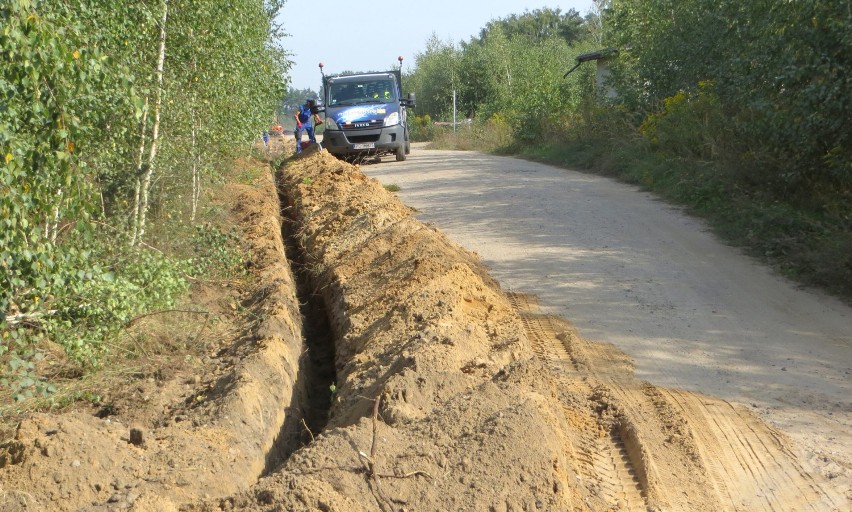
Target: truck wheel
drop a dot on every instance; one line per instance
(400, 153)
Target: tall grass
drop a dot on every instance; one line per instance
(490, 136)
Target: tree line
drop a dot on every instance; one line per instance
(739, 110)
(769, 79)
(114, 116)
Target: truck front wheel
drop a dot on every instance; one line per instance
(400, 153)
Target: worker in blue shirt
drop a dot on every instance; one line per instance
(304, 116)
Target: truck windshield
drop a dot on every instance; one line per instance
(357, 93)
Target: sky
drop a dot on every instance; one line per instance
(349, 35)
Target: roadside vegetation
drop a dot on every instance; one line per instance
(738, 112)
(118, 120)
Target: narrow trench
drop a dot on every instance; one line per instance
(308, 411)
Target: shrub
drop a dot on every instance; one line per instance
(690, 125)
(422, 129)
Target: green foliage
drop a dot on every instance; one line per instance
(796, 104)
(51, 83)
(781, 75)
(690, 125)
(20, 374)
(665, 46)
(86, 304)
(743, 109)
(102, 300)
(44, 121)
(223, 83)
(540, 25)
(216, 253)
(436, 75)
(76, 84)
(513, 69)
(422, 128)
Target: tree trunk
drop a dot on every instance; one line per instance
(196, 179)
(137, 193)
(196, 154)
(51, 228)
(152, 156)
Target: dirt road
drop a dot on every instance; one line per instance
(625, 268)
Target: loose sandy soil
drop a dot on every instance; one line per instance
(448, 392)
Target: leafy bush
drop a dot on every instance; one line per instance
(93, 293)
(217, 253)
(690, 125)
(422, 129)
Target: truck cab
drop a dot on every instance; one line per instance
(366, 115)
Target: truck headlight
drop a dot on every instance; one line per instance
(392, 119)
(330, 124)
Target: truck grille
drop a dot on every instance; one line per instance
(356, 139)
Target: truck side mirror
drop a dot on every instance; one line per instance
(410, 102)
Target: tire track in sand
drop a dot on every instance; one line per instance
(749, 463)
(712, 455)
(603, 457)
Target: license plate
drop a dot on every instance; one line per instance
(366, 145)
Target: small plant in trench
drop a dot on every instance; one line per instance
(393, 187)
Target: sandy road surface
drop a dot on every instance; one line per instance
(628, 269)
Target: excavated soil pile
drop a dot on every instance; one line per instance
(414, 384)
(180, 437)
